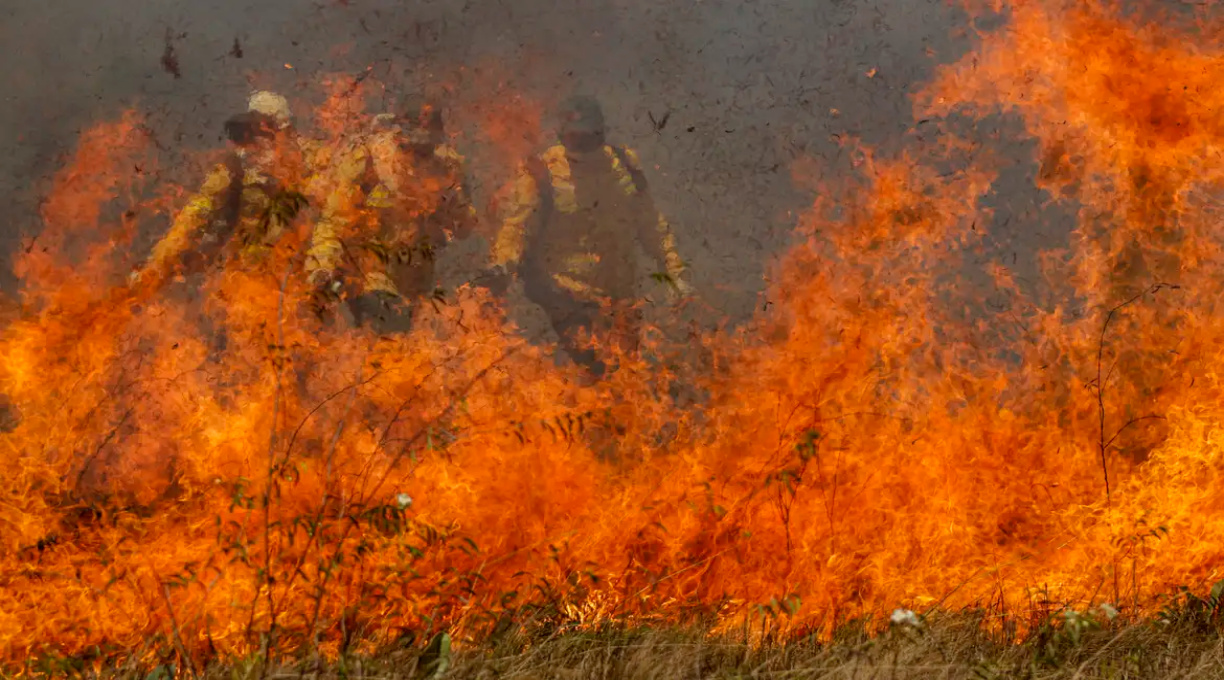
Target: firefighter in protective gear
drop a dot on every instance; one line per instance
(311, 152)
(244, 202)
(398, 198)
(578, 209)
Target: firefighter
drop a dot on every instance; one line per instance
(398, 199)
(569, 233)
(244, 202)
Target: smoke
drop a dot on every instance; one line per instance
(750, 89)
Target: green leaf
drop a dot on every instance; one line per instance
(163, 672)
(664, 277)
(435, 660)
(793, 603)
(1217, 591)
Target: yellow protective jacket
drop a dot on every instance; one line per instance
(386, 215)
(574, 219)
(229, 213)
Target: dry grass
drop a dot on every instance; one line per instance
(1181, 645)
(953, 649)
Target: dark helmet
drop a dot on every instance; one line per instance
(244, 129)
(429, 117)
(421, 123)
(582, 123)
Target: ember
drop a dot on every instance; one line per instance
(860, 449)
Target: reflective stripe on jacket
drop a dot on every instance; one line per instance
(582, 229)
(381, 213)
(233, 201)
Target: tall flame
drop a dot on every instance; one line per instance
(858, 446)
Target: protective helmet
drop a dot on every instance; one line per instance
(582, 123)
(384, 121)
(423, 124)
(271, 104)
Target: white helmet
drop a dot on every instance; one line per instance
(384, 121)
(271, 104)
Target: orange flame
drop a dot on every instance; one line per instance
(858, 447)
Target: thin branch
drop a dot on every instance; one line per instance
(302, 424)
(85, 465)
(1103, 445)
(267, 495)
(1132, 422)
(694, 565)
(178, 638)
(420, 433)
(330, 457)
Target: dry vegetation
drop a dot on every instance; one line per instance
(956, 648)
(238, 510)
(1181, 642)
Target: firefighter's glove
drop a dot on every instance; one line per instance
(326, 290)
(140, 276)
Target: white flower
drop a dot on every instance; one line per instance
(905, 617)
(403, 500)
(1110, 611)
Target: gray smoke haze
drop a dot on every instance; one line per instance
(750, 85)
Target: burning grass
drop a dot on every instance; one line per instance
(1184, 643)
(219, 476)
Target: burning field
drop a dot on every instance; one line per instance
(873, 439)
